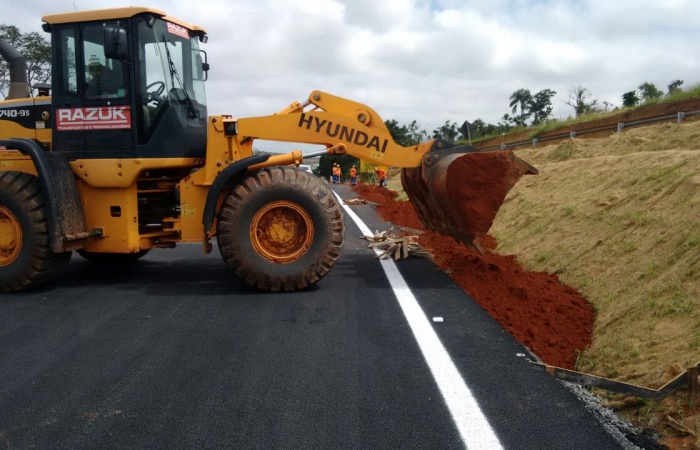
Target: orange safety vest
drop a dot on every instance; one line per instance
(381, 175)
(353, 172)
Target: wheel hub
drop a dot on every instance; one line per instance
(10, 237)
(281, 231)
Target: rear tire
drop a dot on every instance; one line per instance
(26, 258)
(280, 229)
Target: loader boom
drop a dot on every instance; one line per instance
(330, 120)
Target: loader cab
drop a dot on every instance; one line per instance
(127, 83)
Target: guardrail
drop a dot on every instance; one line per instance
(680, 116)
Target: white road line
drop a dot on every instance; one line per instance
(473, 426)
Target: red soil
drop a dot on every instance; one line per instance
(549, 318)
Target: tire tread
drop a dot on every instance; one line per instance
(272, 178)
(43, 262)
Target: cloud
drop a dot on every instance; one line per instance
(430, 61)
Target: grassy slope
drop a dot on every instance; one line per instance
(619, 220)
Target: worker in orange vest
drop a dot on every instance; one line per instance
(336, 173)
(381, 176)
(353, 176)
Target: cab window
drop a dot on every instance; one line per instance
(103, 78)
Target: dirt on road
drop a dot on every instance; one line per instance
(551, 319)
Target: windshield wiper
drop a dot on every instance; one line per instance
(191, 110)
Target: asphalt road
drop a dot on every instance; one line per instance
(176, 353)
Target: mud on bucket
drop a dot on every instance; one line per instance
(458, 190)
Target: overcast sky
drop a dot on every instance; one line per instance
(429, 61)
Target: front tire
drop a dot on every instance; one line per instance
(280, 229)
(26, 258)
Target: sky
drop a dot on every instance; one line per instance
(430, 61)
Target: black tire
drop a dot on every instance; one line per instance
(280, 229)
(113, 259)
(26, 258)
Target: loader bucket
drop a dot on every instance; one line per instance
(458, 190)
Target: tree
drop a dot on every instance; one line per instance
(35, 49)
(416, 134)
(482, 128)
(522, 98)
(398, 133)
(541, 106)
(578, 100)
(650, 91)
(406, 135)
(448, 131)
(674, 86)
(479, 128)
(630, 99)
(506, 123)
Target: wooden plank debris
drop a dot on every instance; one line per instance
(393, 246)
(673, 423)
(358, 201)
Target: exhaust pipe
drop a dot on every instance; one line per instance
(19, 87)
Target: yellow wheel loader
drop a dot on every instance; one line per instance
(121, 157)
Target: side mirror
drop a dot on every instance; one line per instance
(201, 66)
(115, 43)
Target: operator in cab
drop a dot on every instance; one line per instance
(103, 82)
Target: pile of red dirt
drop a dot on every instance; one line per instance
(549, 318)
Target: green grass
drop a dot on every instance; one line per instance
(663, 176)
(623, 220)
(551, 125)
(650, 271)
(541, 257)
(638, 218)
(495, 135)
(696, 340)
(675, 302)
(628, 246)
(584, 361)
(564, 151)
(692, 92)
(684, 244)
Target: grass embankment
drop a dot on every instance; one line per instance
(618, 219)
